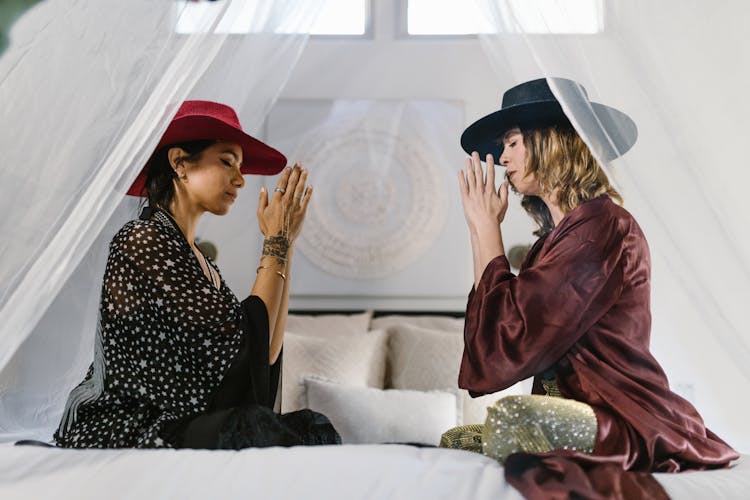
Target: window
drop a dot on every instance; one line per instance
(342, 17)
(462, 17)
(333, 17)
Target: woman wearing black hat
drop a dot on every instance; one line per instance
(576, 317)
(179, 361)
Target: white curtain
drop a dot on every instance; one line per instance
(87, 89)
(679, 70)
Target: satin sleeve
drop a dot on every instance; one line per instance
(518, 326)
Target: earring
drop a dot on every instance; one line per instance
(181, 175)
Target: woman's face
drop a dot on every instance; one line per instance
(211, 183)
(514, 161)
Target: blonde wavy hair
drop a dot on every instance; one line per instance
(559, 159)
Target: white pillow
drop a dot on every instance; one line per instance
(423, 360)
(364, 415)
(353, 359)
(329, 324)
(431, 322)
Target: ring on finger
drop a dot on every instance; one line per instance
(280, 190)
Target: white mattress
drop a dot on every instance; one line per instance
(326, 472)
(732, 483)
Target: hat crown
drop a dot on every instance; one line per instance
(209, 109)
(540, 91)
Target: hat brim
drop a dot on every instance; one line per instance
(611, 132)
(257, 156)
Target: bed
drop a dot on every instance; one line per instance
(388, 378)
(328, 472)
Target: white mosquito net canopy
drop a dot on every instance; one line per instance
(87, 88)
(678, 69)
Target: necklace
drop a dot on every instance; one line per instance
(209, 269)
(211, 272)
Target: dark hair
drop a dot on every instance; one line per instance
(538, 211)
(159, 188)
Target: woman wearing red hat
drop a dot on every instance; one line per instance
(576, 317)
(179, 361)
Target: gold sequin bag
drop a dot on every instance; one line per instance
(463, 437)
(537, 424)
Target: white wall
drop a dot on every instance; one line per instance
(385, 65)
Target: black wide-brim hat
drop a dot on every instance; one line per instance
(532, 105)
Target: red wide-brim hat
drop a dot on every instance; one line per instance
(206, 120)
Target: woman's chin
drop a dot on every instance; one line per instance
(220, 209)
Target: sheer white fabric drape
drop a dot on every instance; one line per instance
(87, 89)
(678, 69)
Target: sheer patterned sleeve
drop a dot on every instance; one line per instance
(518, 326)
(168, 334)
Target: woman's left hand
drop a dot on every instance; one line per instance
(297, 204)
(285, 213)
(484, 208)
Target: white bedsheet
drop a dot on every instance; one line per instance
(732, 483)
(328, 472)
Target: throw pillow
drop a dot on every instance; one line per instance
(364, 415)
(329, 324)
(422, 359)
(350, 359)
(430, 322)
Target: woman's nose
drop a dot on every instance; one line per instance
(239, 179)
(504, 158)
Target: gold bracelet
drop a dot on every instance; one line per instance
(283, 276)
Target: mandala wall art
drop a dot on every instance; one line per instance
(382, 222)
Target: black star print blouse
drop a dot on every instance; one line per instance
(170, 346)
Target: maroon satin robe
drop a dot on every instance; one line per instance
(580, 307)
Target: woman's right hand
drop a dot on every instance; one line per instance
(284, 214)
(484, 207)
